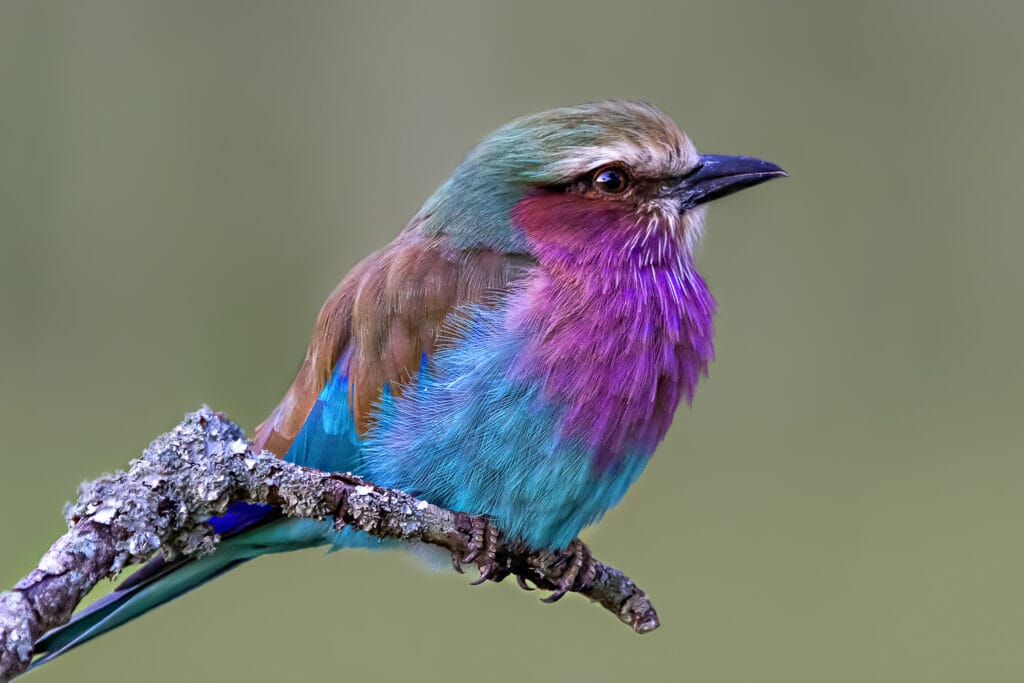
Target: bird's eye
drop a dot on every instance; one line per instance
(611, 180)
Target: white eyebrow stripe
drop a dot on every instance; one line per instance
(655, 159)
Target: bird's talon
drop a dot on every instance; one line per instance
(477, 539)
(482, 545)
(579, 570)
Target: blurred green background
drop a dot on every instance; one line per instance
(181, 184)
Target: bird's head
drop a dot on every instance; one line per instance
(613, 162)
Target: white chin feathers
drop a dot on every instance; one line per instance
(692, 222)
(660, 228)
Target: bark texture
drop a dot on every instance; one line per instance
(198, 469)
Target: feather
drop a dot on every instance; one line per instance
(383, 317)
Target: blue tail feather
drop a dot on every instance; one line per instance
(159, 582)
(124, 606)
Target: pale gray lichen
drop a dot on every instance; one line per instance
(164, 498)
(15, 631)
(195, 471)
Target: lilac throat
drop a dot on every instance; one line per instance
(619, 324)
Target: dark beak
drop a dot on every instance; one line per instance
(718, 176)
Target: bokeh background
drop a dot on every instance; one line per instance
(181, 184)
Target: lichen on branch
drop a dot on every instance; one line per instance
(161, 503)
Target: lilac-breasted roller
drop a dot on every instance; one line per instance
(517, 352)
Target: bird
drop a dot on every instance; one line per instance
(516, 353)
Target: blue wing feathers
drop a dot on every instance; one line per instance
(328, 439)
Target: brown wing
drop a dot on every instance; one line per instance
(385, 315)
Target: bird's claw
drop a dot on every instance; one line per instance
(578, 570)
(482, 549)
(575, 561)
(478, 537)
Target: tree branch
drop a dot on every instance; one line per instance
(196, 471)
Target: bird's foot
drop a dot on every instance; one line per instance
(482, 549)
(578, 569)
